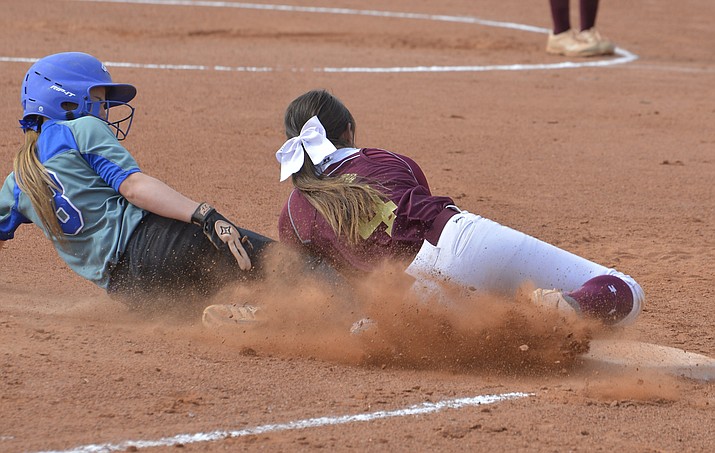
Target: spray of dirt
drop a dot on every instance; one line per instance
(309, 317)
(646, 386)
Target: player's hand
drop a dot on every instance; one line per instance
(221, 233)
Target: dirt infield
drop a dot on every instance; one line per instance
(615, 162)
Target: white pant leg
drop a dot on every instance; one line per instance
(478, 252)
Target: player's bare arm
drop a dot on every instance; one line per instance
(152, 195)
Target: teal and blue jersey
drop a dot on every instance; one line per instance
(88, 163)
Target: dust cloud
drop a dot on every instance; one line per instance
(306, 316)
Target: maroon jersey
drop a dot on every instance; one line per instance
(410, 215)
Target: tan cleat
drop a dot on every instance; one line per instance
(564, 43)
(603, 45)
(553, 299)
(222, 315)
(588, 43)
(363, 325)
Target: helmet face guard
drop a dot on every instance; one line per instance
(58, 87)
(118, 115)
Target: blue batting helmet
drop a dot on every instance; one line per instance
(57, 87)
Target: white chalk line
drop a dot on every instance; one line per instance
(624, 56)
(184, 439)
(329, 10)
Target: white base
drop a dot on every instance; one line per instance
(637, 355)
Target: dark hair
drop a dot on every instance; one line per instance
(346, 202)
(332, 113)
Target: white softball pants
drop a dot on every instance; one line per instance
(473, 251)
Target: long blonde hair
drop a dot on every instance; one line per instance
(34, 180)
(344, 200)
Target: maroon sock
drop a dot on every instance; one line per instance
(560, 15)
(588, 10)
(606, 297)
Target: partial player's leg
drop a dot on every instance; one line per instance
(169, 259)
(479, 253)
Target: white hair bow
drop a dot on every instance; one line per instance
(313, 140)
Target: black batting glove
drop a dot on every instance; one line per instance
(221, 233)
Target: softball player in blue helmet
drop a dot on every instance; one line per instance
(111, 223)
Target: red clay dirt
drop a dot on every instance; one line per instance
(615, 163)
